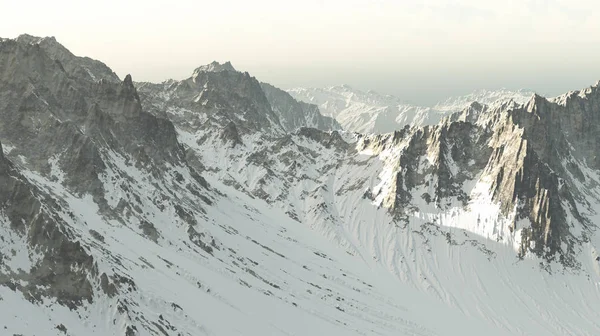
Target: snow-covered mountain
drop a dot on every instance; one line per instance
(225, 95)
(371, 112)
(295, 114)
(215, 67)
(205, 207)
(486, 97)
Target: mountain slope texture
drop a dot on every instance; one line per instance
(220, 205)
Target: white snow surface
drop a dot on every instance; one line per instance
(299, 284)
(371, 112)
(477, 274)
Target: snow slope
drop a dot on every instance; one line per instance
(446, 256)
(270, 276)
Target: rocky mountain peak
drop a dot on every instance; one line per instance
(535, 102)
(79, 67)
(30, 39)
(129, 91)
(593, 90)
(215, 67)
(130, 87)
(128, 81)
(475, 105)
(219, 95)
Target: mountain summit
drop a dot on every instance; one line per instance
(215, 67)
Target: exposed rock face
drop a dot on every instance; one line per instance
(80, 67)
(60, 268)
(215, 96)
(215, 67)
(557, 158)
(78, 147)
(294, 114)
(442, 158)
(532, 160)
(52, 112)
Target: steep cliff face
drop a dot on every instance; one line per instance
(77, 67)
(557, 171)
(79, 152)
(218, 96)
(294, 114)
(40, 99)
(40, 258)
(214, 97)
(534, 161)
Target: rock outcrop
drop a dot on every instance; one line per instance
(295, 114)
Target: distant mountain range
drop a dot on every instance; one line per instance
(371, 112)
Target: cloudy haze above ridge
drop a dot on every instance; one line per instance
(420, 51)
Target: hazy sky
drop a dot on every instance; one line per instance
(421, 51)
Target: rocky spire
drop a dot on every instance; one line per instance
(128, 81)
(129, 90)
